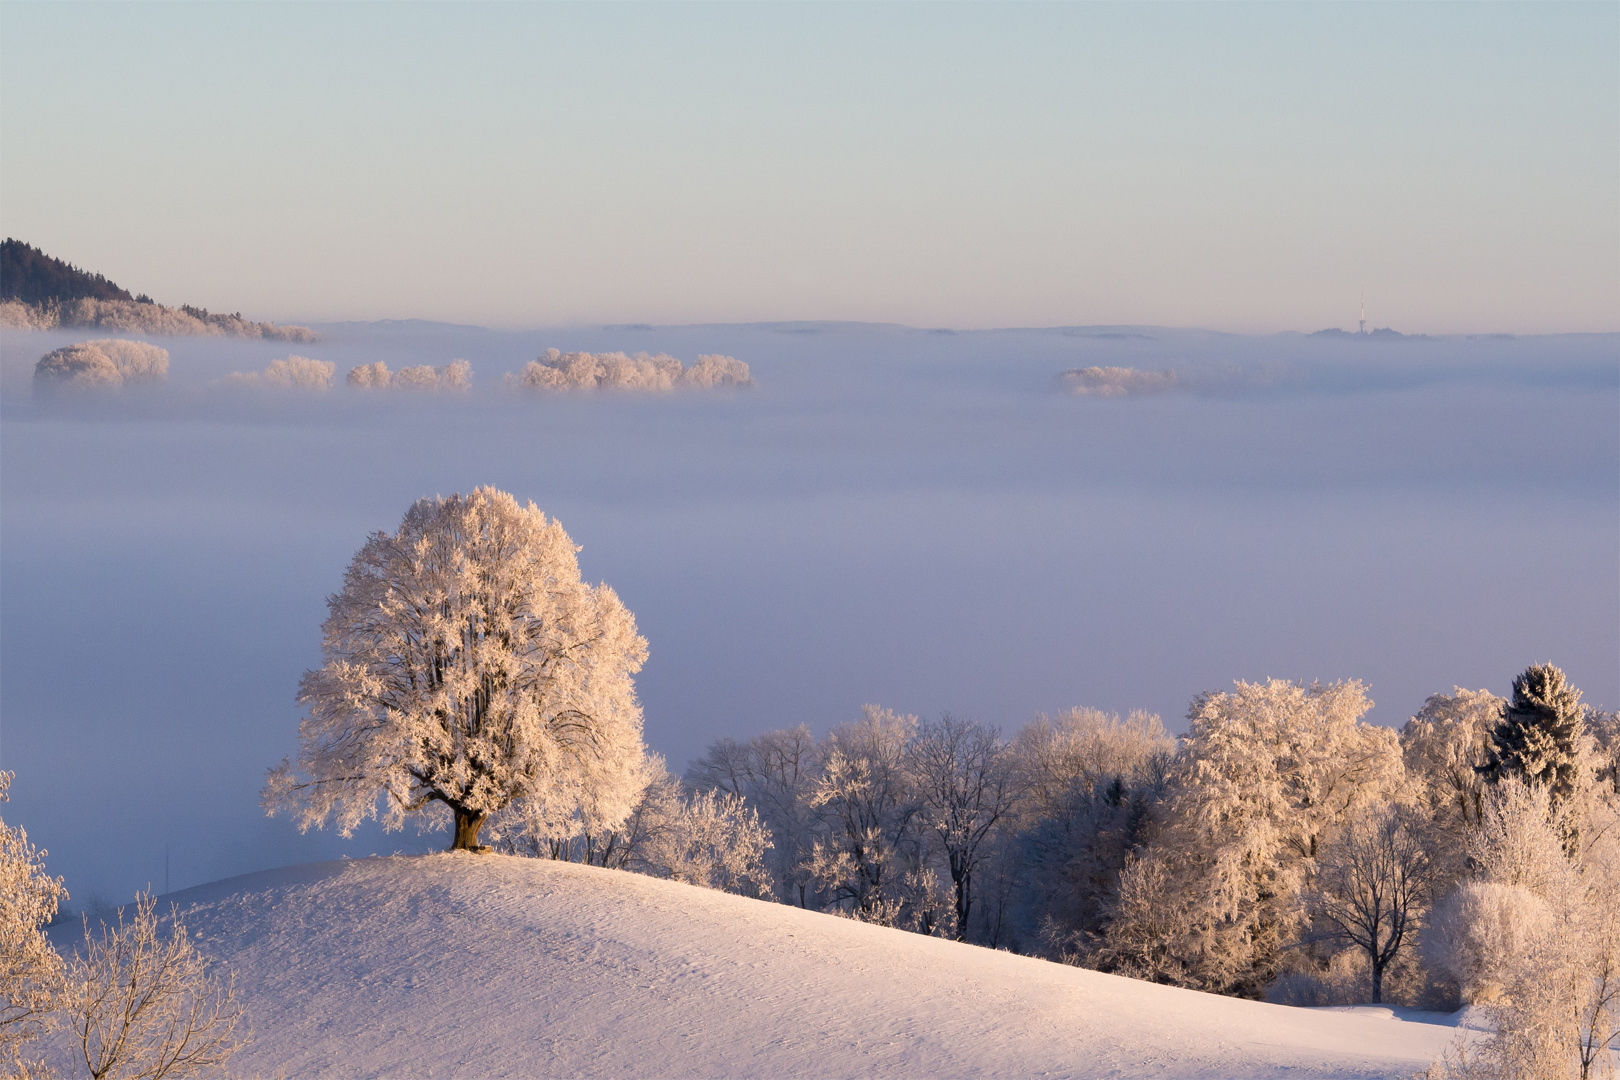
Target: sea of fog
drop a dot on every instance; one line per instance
(913, 518)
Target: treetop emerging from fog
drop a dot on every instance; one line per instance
(557, 370)
(468, 673)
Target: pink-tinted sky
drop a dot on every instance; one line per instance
(1230, 166)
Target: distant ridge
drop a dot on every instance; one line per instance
(1381, 334)
(41, 292)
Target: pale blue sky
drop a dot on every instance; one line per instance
(1230, 166)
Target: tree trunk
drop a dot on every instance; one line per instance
(468, 824)
(1378, 982)
(964, 901)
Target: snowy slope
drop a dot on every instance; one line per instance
(471, 966)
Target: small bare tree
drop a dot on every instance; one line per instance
(965, 786)
(1372, 887)
(144, 1007)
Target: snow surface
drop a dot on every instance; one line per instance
(472, 966)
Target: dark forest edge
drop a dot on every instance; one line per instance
(40, 292)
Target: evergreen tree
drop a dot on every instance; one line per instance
(1539, 735)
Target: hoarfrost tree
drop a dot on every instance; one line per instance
(1444, 746)
(1540, 735)
(1091, 784)
(1266, 775)
(710, 839)
(776, 773)
(870, 855)
(31, 976)
(471, 674)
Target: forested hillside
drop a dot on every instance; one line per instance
(30, 275)
(39, 292)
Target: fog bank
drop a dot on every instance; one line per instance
(914, 518)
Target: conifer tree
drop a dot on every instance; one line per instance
(1539, 735)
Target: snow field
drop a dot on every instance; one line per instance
(456, 965)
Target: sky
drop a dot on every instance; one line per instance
(1238, 167)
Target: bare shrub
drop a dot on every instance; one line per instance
(145, 1007)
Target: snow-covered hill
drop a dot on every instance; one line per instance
(473, 966)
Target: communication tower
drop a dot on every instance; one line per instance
(1363, 311)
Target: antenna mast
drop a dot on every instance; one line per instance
(1363, 311)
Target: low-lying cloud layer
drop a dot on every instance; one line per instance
(891, 515)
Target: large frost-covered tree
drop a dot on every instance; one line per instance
(469, 673)
(1267, 774)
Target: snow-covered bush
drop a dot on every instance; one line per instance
(469, 672)
(108, 363)
(1478, 933)
(1344, 981)
(293, 373)
(557, 370)
(1537, 939)
(709, 839)
(455, 376)
(1117, 382)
